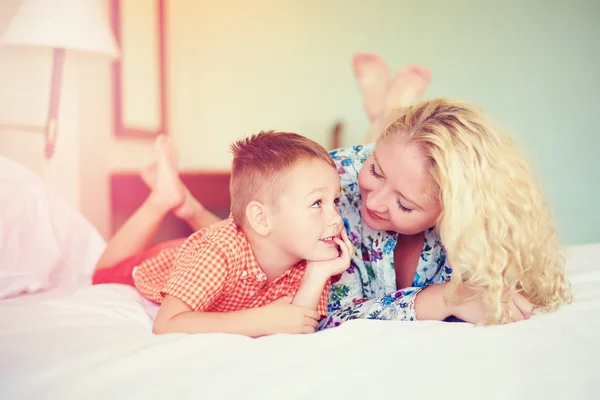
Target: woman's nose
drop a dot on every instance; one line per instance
(375, 201)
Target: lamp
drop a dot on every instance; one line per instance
(74, 25)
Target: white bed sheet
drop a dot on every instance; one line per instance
(96, 343)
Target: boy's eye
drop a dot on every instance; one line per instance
(317, 204)
(336, 202)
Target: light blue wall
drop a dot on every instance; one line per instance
(533, 65)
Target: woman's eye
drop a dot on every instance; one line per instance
(406, 210)
(375, 174)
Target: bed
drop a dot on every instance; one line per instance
(61, 338)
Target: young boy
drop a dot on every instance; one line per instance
(281, 244)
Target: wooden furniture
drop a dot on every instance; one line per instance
(128, 192)
(140, 110)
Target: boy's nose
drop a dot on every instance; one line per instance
(336, 220)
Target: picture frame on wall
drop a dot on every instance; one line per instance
(139, 77)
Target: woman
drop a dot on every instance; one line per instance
(445, 207)
(440, 173)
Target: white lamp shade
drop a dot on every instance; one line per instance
(80, 25)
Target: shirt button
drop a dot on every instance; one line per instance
(260, 276)
(244, 274)
(251, 293)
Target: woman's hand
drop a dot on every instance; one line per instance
(430, 305)
(473, 311)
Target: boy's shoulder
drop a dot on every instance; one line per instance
(217, 233)
(223, 235)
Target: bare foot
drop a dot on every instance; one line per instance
(372, 77)
(407, 86)
(189, 206)
(167, 191)
(148, 175)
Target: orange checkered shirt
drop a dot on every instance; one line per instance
(215, 270)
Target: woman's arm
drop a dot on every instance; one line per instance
(409, 304)
(430, 304)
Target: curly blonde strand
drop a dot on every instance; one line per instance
(495, 225)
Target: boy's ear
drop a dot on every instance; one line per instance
(257, 215)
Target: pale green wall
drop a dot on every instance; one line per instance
(534, 66)
(237, 67)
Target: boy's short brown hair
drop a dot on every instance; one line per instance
(258, 163)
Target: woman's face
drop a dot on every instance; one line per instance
(397, 194)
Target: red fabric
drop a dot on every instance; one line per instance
(122, 271)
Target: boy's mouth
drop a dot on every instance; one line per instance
(328, 239)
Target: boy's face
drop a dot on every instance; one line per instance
(306, 217)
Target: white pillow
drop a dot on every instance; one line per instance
(44, 242)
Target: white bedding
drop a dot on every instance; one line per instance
(96, 343)
(44, 242)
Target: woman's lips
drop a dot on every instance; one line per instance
(374, 216)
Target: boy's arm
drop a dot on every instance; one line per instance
(175, 316)
(311, 288)
(317, 275)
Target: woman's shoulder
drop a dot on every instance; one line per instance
(349, 160)
(353, 153)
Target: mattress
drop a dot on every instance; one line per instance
(95, 342)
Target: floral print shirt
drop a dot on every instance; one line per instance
(368, 288)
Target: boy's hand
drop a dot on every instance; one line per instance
(283, 317)
(337, 265)
(317, 274)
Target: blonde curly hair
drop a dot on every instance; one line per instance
(495, 223)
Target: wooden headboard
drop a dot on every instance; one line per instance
(128, 192)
